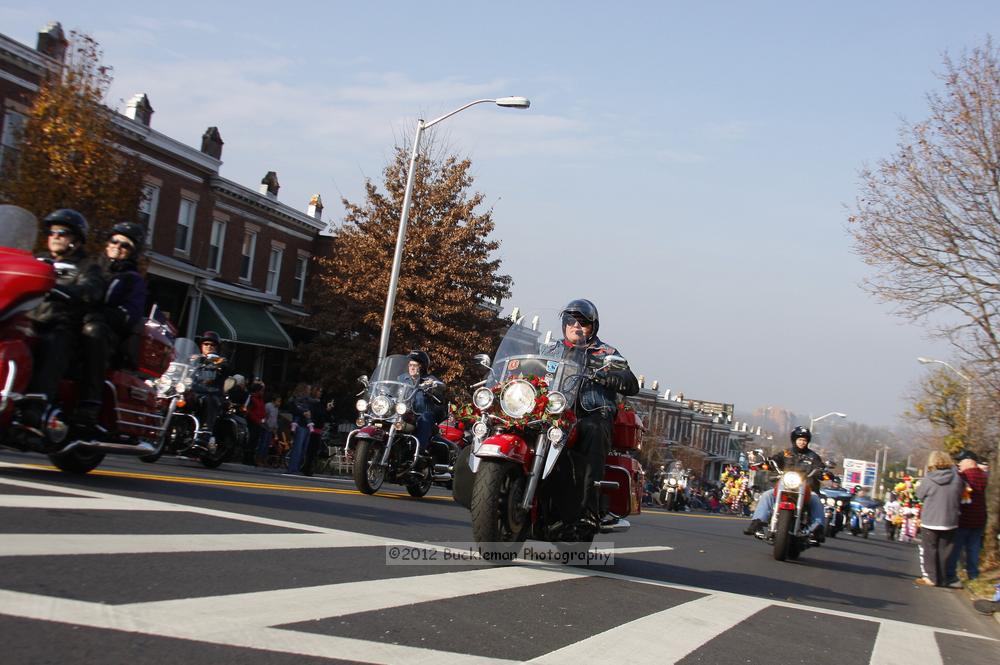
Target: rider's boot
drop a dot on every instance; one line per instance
(28, 421)
(86, 417)
(755, 525)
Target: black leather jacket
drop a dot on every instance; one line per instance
(79, 290)
(804, 460)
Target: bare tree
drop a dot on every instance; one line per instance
(928, 221)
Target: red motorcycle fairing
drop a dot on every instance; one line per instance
(453, 434)
(627, 472)
(508, 446)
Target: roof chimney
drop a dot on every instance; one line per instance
(211, 142)
(269, 185)
(52, 42)
(315, 208)
(139, 109)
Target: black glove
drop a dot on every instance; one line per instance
(611, 380)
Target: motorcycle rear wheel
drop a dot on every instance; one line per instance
(224, 445)
(461, 490)
(419, 488)
(783, 535)
(496, 517)
(77, 461)
(368, 475)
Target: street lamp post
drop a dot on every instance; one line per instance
(813, 421)
(968, 392)
(390, 301)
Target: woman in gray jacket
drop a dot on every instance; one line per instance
(940, 493)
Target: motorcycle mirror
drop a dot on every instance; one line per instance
(363, 380)
(483, 359)
(615, 363)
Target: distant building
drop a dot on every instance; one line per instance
(222, 256)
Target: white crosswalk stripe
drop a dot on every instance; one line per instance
(251, 620)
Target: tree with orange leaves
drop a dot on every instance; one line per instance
(67, 154)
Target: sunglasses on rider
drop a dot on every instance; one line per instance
(124, 244)
(569, 320)
(59, 233)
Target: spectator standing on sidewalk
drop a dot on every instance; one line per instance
(270, 429)
(940, 491)
(971, 518)
(301, 405)
(320, 417)
(256, 415)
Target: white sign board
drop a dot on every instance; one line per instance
(858, 472)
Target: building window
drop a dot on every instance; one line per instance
(185, 223)
(249, 249)
(215, 244)
(300, 277)
(10, 140)
(147, 210)
(273, 270)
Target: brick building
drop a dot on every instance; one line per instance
(222, 256)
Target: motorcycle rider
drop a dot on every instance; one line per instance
(796, 457)
(209, 383)
(428, 404)
(59, 321)
(113, 327)
(597, 403)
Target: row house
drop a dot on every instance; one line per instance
(221, 256)
(700, 435)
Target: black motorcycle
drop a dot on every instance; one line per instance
(178, 385)
(837, 506)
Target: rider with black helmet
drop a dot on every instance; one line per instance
(597, 402)
(428, 401)
(58, 320)
(116, 323)
(797, 456)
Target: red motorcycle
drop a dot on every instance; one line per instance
(131, 418)
(514, 480)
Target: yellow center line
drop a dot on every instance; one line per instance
(189, 480)
(699, 515)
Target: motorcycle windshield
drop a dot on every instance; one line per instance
(535, 346)
(180, 367)
(391, 379)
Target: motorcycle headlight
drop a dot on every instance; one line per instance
(482, 398)
(671, 481)
(400, 408)
(791, 480)
(555, 435)
(840, 503)
(361, 405)
(557, 403)
(518, 399)
(381, 405)
(480, 429)
(180, 387)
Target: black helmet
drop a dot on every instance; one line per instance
(801, 432)
(422, 358)
(209, 336)
(69, 218)
(134, 232)
(585, 310)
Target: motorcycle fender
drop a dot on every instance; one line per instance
(551, 457)
(367, 432)
(505, 446)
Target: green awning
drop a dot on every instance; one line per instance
(242, 322)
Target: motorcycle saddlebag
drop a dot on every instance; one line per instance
(628, 430)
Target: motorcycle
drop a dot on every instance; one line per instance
(862, 517)
(669, 489)
(131, 421)
(385, 447)
(516, 476)
(788, 529)
(837, 509)
(177, 386)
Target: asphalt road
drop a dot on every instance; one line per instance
(172, 562)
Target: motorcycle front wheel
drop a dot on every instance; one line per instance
(77, 461)
(461, 489)
(224, 444)
(368, 473)
(783, 535)
(496, 515)
(419, 488)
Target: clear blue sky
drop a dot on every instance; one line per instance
(696, 157)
